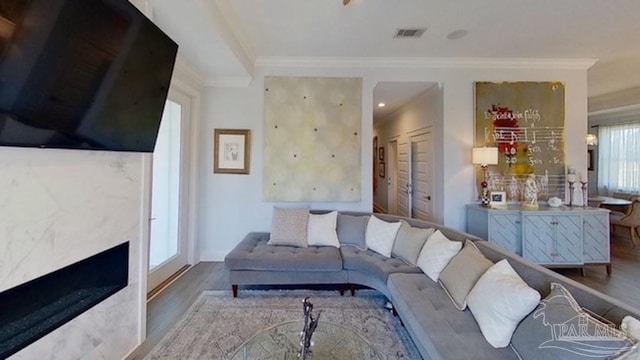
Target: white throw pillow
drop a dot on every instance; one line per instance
(436, 254)
(321, 230)
(631, 326)
(499, 301)
(380, 235)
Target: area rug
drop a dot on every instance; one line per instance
(217, 323)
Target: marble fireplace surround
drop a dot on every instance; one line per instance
(60, 207)
(48, 302)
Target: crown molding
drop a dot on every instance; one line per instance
(451, 63)
(184, 70)
(614, 101)
(229, 81)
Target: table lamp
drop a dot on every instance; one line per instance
(484, 156)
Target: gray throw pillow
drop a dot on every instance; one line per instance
(289, 227)
(462, 272)
(351, 230)
(560, 329)
(409, 242)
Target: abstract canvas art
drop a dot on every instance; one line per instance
(312, 139)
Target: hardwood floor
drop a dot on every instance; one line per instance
(166, 308)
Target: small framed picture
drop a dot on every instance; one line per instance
(231, 151)
(381, 171)
(381, 153)
(498, 198)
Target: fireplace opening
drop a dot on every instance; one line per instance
(32, 310)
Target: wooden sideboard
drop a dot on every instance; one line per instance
(552, 237)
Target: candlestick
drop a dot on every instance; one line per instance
(583, 178)
(571, 188)
(585, 199)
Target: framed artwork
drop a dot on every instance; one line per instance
(590, 160)
(381, 154)
(498, 198)
(231, 150)
(381, 172)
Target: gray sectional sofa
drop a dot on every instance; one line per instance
(438, 329)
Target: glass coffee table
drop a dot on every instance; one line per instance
(282, 341)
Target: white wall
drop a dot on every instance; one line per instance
(232, 205)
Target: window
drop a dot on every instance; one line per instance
(619, 157)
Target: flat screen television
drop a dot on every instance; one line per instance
(82, 74)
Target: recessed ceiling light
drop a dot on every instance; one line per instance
(457, 34)
(381, 104)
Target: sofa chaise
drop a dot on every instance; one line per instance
(438, 329)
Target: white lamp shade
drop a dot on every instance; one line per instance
(592, 140)
(485, 156)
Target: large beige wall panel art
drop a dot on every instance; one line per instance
(312, 139)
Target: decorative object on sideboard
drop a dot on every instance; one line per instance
(485, 156)
(498, 199)
(571, 179)
(310, 325)
(531, 190)
(584, 186)
(554, 202)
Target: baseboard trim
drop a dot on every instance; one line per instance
(212, 256)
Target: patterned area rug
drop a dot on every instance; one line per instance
(217, 324)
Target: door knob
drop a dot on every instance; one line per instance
(428, 197)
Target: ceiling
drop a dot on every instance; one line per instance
(223, 39)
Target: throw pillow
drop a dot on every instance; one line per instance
(321, 230)
(436, 254)
(351, 230)
(289, 227)
(409, 242)
(499, 301)
(631, 327)
(560, 329)
(461, 274)
(380, 235)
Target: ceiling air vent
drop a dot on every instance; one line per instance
(410, 33)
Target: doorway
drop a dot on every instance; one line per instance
(168, 244)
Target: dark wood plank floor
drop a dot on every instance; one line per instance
(164, 310)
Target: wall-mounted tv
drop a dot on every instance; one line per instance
(81, 74)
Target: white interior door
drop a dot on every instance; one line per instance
(404, 179)
(422, 174)
(168, 247)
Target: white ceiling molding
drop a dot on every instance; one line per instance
(185, 70)
(228, 82)
(614, 101)
(457, 63)
(224, 21)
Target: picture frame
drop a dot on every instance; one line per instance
(231, 151)
(381, 153)
(498, 198)
(590, 163)
(381, 170)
